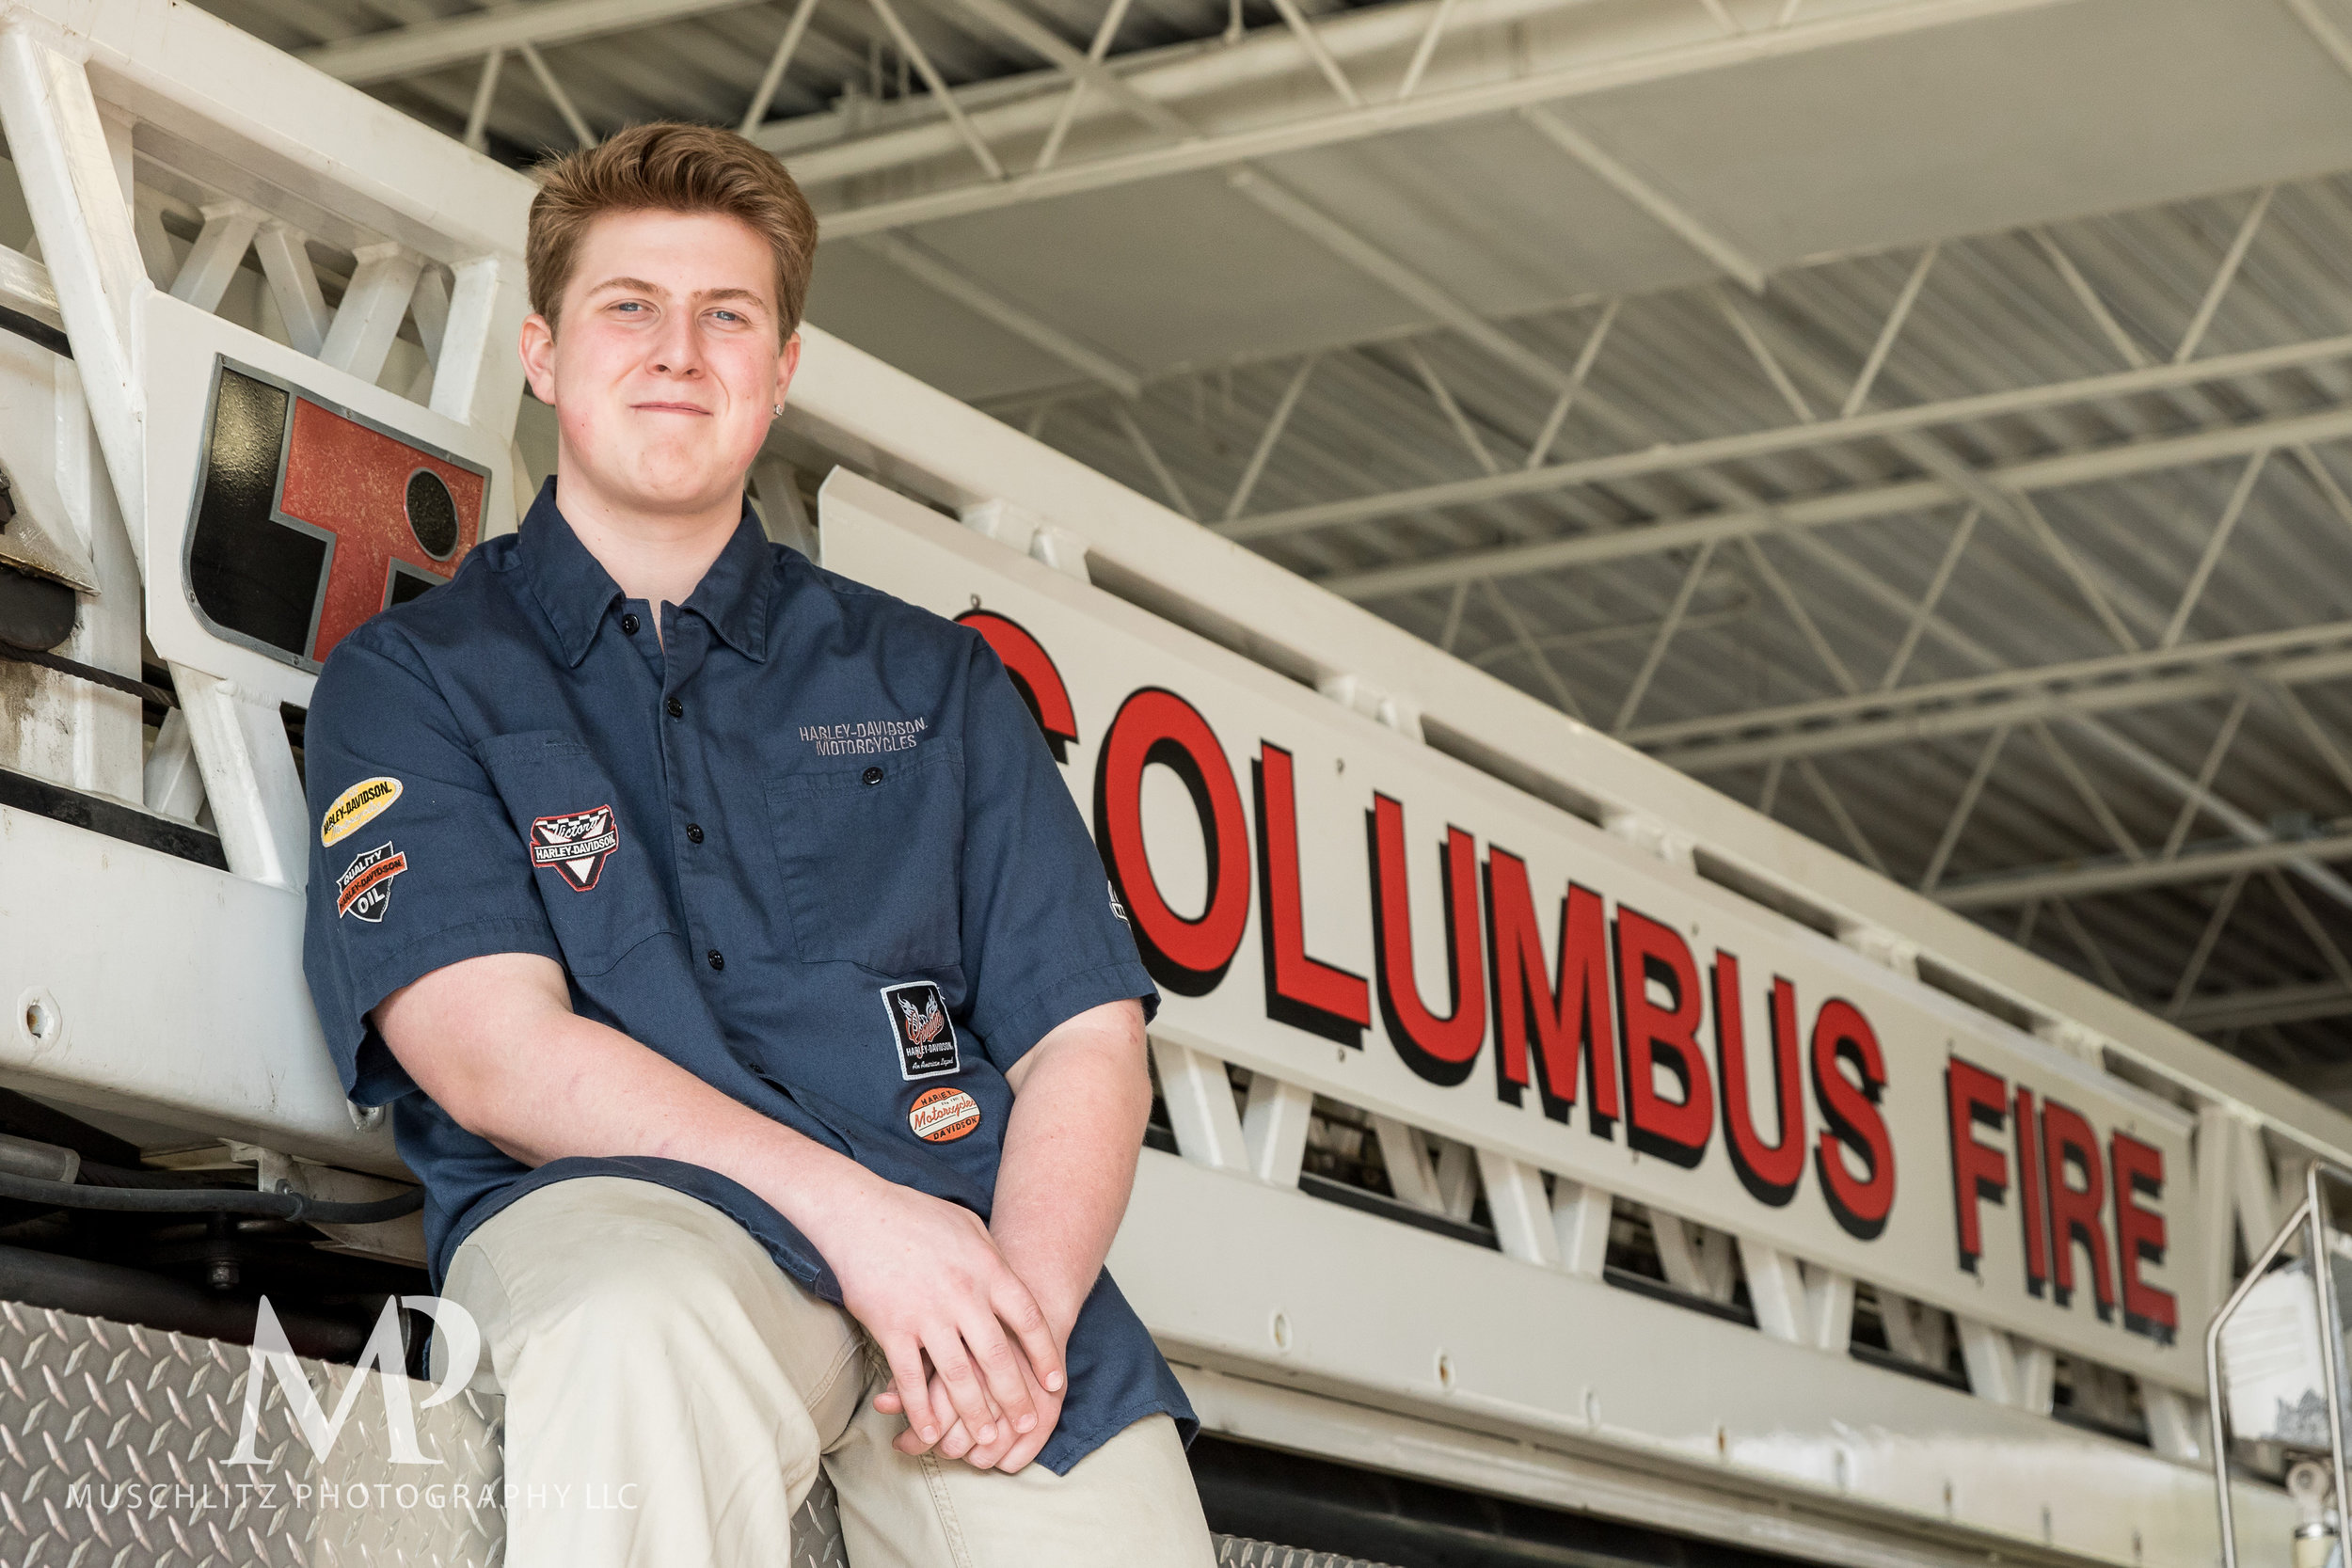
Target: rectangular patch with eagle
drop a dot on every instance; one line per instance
(919, 1021)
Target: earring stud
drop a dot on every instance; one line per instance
(779, 411)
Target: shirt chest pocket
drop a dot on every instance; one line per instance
(594, 874)
(870, 858)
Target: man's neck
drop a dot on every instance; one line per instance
(656, 557)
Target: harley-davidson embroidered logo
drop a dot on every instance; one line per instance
(925, 1036)
(942, 1115)
(365, 887)
(575, 845)
(355, 807)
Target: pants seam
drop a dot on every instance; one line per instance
(950, 1528)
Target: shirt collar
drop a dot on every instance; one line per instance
(576, 592)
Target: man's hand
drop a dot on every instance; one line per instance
(925, 1278)
(1081, 1096)
(495, 1042)
(1009, 1452)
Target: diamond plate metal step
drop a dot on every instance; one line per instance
(114, 1453)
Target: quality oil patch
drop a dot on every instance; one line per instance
(355, 807)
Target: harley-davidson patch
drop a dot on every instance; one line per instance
(943, 1114)
(356, 806)
(925, 1036)
(365, 887)
(575, 845)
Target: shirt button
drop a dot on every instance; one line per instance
(718, 959)
(872, 775)
(693, 832)
(674, 708)
(628, 624)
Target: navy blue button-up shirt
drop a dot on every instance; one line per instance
(809, 845)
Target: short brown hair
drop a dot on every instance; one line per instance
(669, 167)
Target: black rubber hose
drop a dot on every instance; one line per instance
(209, 1200)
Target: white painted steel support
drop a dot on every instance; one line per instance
(221, 250)
(1884, 344)
(80, 215)
(1580, 1216)
(249, 779)
(1801, 1303)
(171, 783)
(772, 78)
(1668, 214)
(478, 378)
(1969, 703)
(2008, 1370)
(1486, 92)
(1412, 1174)
(1639, 461)
(1695, 1259)
(1199, 1099)
(1520, 1209)
(373, 308)
(1274, 1128)
(294, 285)
(938, 273)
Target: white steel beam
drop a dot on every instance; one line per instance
(372, 308)
(1671, 457)
(1400, 278)
(930, 269)
(2224, 274)
(1084, 67)
(1694, 529)
(1500, 93)
(1884, 344)
(1971, 703)
(2242, 1010)
(940, 93)
(220, 250)
(1276, 424)
(778, 62)
(431, 45)
(1668, 214)
(2075, 881)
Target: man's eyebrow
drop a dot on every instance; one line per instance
(638, 285)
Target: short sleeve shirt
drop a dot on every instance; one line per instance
(809, 844)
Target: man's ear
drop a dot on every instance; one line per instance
(786, 363)
(537, 349)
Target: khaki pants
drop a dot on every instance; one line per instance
(670, 1393)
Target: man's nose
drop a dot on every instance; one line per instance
(679, 350)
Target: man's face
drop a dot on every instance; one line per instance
(666, 368)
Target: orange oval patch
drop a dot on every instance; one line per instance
(943, 1116)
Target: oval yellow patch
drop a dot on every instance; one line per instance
(358, 807)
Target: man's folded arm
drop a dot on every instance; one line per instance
(1081, 1096)
(494, 1042)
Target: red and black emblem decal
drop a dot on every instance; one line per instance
(575, 845)
(365, 887)
(309, 519)
(925, 1036)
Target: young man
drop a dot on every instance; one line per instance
(771, 1104)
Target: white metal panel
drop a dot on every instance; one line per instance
(1477, 1343)
(173, 993)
